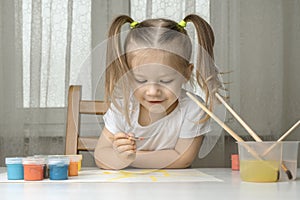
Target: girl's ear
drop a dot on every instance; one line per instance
(189, 71)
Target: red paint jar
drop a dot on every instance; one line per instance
(235, 163)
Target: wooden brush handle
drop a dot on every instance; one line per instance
(223, 125)
(281, 138)
(212, 115)
(242, 122)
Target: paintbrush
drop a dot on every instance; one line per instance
(282, 137)
(251, 132)
(136, 138)
(223, 125)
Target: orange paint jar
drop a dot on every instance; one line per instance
(33, 168)
(74, 163)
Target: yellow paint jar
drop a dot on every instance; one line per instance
(80, 161)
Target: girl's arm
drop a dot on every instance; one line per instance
(181, 157)
(114, 151)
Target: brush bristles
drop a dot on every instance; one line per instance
(289, 174)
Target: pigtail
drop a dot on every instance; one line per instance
(117, 67)
(115, 62)
(207, 73)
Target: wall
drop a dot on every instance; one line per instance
(1, 70)
(1, 58)
(269, 85)
(258, 42)
(291, 72)
(261, 61)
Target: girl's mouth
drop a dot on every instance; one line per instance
(155, 102)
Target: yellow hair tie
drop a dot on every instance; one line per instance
(133, 24)
(182, 23)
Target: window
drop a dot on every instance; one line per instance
(55, 40)
(173, 9)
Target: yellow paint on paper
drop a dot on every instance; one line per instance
(123, 174)
(153, 178)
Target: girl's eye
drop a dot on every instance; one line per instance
(166, 81)
(140, 81)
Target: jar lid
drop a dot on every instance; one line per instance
(13, 160)
(34, 161)
(75, 158)
(42, 156)
(58, 160)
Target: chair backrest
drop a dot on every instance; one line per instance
(76, 107)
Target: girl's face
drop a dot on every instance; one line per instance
(157, 84)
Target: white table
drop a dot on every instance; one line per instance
(231, 188)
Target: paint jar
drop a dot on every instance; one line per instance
(289, 160)
(235, 163)
(46, 170)
(33, 168)
(260, 161)
(58, 167)
(15, 170)
(74, 163)
(80, 162)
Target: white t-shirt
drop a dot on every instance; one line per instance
(182, 122)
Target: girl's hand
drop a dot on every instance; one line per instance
(124, 145)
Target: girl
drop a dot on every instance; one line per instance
(151, 122)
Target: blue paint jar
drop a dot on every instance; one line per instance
(58, 167)
(15, 170)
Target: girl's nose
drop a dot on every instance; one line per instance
(153, 89)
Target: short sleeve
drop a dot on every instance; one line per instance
(192, 114)
(114, 120)
(190, 128)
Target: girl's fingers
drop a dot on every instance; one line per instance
(120, 136)
(130, 134)
(121, 142)
(124, 144)
(126, 148)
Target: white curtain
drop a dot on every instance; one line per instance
(44, 46)
(172, 9)
(54, 38)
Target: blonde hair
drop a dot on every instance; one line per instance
(163, 34)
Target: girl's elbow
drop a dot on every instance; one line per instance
(100, 164)
(108, 165)
(186, 163)
(181, 163)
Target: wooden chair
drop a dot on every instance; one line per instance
(77, 107)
